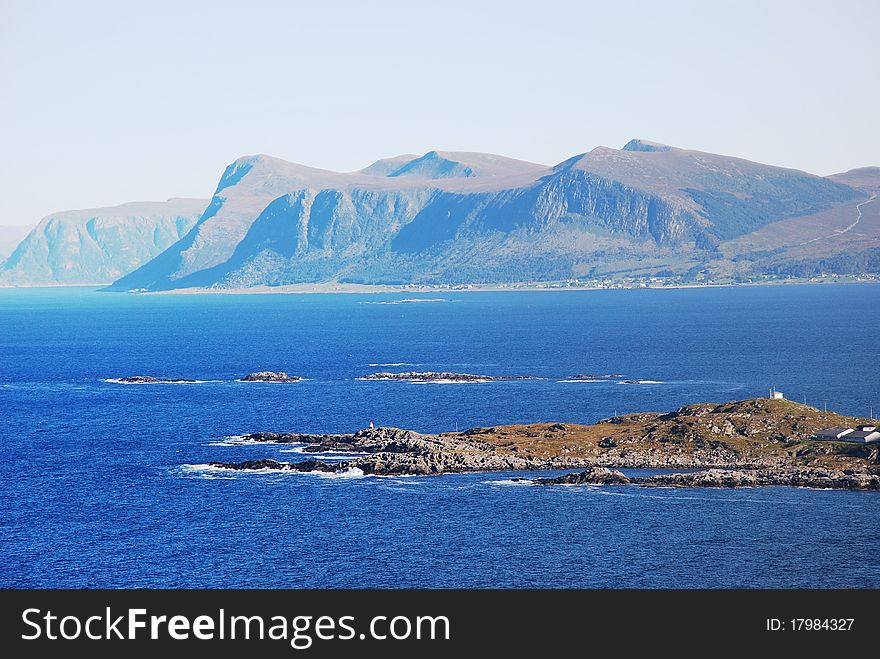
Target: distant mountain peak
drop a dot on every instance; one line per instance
(386, 166)
(434, 165)
(437, 164)
(646, 145)
(865, 178)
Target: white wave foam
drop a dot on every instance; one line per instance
(274, 381)
(211, 471)
(481, 381)
(200, 468)
(407, 301)
(582, 380)
(414, 381)
(394, 364)
(204, 471)
(351, 472)
(509, 481)
(240, 440)
(640, 382)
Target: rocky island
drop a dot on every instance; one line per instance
(149, 379)
(270, 376)
(753, 442)
(432, 376)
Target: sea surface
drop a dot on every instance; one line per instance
(104, 484)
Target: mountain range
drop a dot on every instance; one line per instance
(647, 209)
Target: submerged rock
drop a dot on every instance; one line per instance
(255, 465)
(247, 465)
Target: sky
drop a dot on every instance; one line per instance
(107, 102)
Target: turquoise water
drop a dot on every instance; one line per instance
(104, 487)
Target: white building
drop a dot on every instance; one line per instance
(864, 434)
(832, 434)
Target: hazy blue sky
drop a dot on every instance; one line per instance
(106, 102)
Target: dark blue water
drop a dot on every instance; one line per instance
(96, 492)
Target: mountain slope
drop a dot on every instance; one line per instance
(465, 217)
(864, 178)
(98, 245)
(10, 237)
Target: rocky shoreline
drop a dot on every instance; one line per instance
(825, 479)
(749, 443)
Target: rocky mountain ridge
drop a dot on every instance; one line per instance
(456, 218)
(476, 218)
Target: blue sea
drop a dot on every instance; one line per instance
(104, 485)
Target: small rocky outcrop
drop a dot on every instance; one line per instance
(255, 465)
(707, 478)
(592, 476)
(149, 379)
(289, 438)
(270, 376)
(825, 479)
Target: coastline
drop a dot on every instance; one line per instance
(747, 443)
(323, 288)
(334, 287)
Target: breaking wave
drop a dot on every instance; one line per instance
(408, 301)
(211, 471)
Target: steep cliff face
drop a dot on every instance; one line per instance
(314, 235)
(454, 217)
(98, 245)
